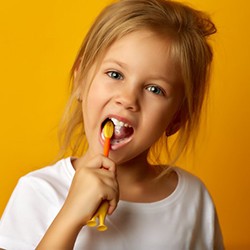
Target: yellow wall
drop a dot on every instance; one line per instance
(38, 42)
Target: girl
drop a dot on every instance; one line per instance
(144, 65)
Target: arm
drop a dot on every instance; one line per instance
(62, 233)
(80, 204)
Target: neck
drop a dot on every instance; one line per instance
(135, 170)
(136, 179)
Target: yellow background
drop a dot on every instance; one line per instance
(38, 43)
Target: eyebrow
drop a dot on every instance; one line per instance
(125, 65)
(119, 63)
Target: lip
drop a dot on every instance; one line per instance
(122, 119)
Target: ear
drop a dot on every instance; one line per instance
(75, 68)
(78, 92)
(76, 84)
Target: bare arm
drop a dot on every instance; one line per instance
(62, 233)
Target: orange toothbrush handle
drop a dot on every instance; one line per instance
(103, 208)
(106, 147)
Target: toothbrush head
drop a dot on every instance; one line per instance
(108, 129)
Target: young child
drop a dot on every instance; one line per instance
(144, 65)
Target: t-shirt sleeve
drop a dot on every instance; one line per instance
(218, 238)
(27, 216)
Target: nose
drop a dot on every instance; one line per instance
(128, 98)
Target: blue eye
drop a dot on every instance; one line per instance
(115, 75)
(155, 90)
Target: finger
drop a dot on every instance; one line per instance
(98, 161)
(113, 197)
(111, 209)
(113, 204)
(108, 164)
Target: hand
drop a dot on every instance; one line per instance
(94, 181)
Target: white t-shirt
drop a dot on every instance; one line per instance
(185, 220)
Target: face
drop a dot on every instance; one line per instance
(136, 86)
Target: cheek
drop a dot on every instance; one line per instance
(156, 124)
(95, 101)
(93, 97)
(159, 118)
(162, 114)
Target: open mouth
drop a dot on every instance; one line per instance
(122, 132)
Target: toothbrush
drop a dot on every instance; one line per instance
(108, 131)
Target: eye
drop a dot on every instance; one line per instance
(155, 90)
(115, 75)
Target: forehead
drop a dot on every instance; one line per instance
(145, 50)
(139, 40)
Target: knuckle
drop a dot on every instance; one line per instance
(98, 183)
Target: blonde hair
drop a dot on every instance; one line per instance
(188, 29)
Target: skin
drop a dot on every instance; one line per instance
(137, 83)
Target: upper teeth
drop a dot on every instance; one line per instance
(119, 123)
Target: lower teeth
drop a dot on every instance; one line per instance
(117, 141)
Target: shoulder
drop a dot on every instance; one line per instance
(46, 187)
(36, 200)
(59, 171)
(50, 181)
(189, 180)
(61, 167)
(192, 188)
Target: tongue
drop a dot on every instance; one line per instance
(122, 132)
